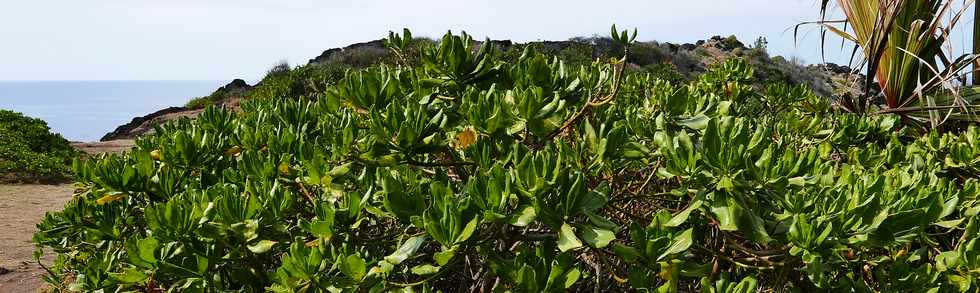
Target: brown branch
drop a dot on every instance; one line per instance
(568, 123)
(753, 252)
(617, 80)
(438, 164)
(732, 260)
(656, 196)
(306, 193)
(652, 173)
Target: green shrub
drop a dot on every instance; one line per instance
(644, 54)
(29, 151)
(282, 67)
(731, 42)
(578, 54)
(574, 53)
(199, 102)
(664, 71)
(470, 174)
(304, 81)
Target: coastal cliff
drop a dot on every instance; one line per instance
(662, 60)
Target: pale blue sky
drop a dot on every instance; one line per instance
(223, 39)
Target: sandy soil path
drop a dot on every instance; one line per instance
(22, 206)
(112, 146)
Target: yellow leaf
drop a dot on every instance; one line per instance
(156, 155)
(233, 151)
(465, 138)
(109, 198)
(284, 169)
(619, 279)
(667, 273)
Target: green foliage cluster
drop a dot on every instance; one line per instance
(284, 81)
(200, 102)
(29, 151)
(662, 60)
(304, 81)
(468, 173)
(648, 57)
(225, 93)
(280, 81)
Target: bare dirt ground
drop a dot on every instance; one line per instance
(22, 206)
(112, 146)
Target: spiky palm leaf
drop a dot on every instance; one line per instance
(902, 43)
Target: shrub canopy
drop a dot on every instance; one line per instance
(29, 151)
(467, 173)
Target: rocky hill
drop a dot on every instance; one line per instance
(227, 95)
(675, 62)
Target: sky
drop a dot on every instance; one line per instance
(225, 39)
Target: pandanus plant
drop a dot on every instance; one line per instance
(906, 49)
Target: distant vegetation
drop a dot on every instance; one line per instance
(584, 167)
(672, 62)
(237, 88)
(200, 102)
(30, 152)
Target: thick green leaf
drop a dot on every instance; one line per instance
(322, 229)
(425, 269)
(681, 217)
(679, 244)
(747, 285)
(143, 254)
(571, 277)
(567, 239)
(524, 216)
(262, 246)
(628, 254)
(406, 250)
(698, 122)
(353, 266)
(130, 276)
(468, 230)
(726, 212)
(443, 257)
(597, 237)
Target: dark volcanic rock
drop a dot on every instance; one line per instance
(834, 68)
(329, 53)
(502, 43)
(129, 130)
(726, 44)
(689, 60)
(227, 96)
(233, 90)
(237, 84)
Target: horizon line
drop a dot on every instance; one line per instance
(110, 80)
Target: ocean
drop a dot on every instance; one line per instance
(87, 110)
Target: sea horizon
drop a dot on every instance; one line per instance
(85, 110)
